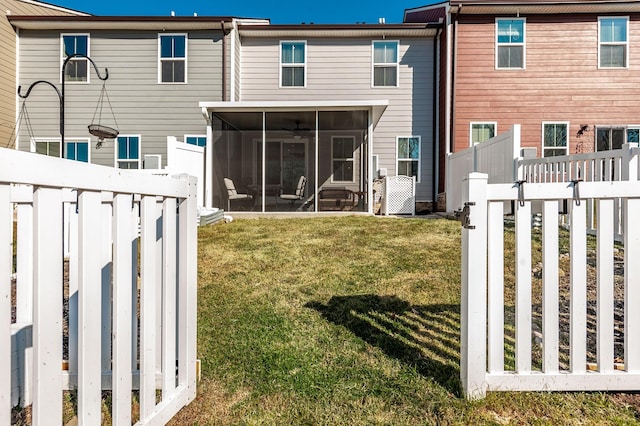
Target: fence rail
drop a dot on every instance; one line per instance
(484, 345)
(114, 282)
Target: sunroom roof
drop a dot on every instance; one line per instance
(377, 107)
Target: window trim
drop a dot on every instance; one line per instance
(185, 59)
(195, 136)
(33, 142)
(566, 123)
(62, 57)
(471, 123)
(115, 151)
(419, 159)
(523, 44)
(386, 64)
(294, 65)
(352, 159)
(626, 43)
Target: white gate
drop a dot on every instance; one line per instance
(117, 283)
(483, 349)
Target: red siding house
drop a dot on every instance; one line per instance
(567, 71)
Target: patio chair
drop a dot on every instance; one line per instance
(232, 194)
(298, 194)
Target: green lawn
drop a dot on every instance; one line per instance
(351, 320)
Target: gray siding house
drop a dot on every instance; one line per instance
(159, 68)
(338, 104)
(292, 117)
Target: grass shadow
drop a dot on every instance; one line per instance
(425, 337)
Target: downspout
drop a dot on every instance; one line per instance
(224, 61)
(452, 94)
(436, 120)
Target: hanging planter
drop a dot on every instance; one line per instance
(99, 130)
(103, 132)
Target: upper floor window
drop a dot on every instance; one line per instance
(173, 58)
(293, 63)
(77, 67)
(555, 139)
(342, 148)
(385, 63)
(481, 132)
(197, 140)
(128, 152)
(510, 43)
(408, 153)
(613, 47)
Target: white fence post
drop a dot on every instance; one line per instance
(187, 290)
(6, 257)
(473, 316)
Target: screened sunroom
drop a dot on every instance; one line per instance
(286, 157)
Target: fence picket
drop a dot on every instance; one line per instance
(550, 298)
(6, 263)
(148, 285)
(123, 284)
(47, 316)
(578, 304)
(89, 307)
(631, 287)
(495, 295)
(24, 264)
(169, 297)
(523, 287)
(604, 284)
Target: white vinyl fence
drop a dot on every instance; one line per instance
(497, 354)
(119, 313)
(616, 165)
(498, 157)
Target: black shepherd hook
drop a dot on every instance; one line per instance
(60, 93)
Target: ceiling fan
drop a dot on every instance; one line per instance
(297, 131)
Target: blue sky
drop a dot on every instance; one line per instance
(279, 11)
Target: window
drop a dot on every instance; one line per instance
(555, 140)
(293, 63)
(385, 64)
(633, 135)
(409, 156)
(196, 140)
(77, 150)
(128, 152)
(75, 44)
(173, 58)
(342, 148)
(50, 147)
(613, 49)
(481, 132)
(510, 42)
(613, 137)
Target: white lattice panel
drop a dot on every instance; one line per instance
(399, 195)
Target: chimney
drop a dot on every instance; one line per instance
(381, 21)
